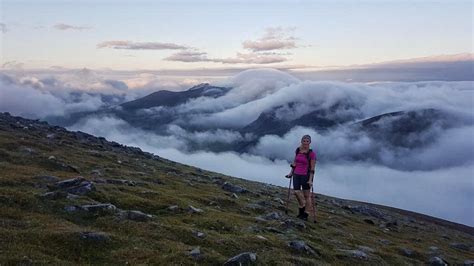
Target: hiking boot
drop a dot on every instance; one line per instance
(302, 214)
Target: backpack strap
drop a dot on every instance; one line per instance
(308, 157)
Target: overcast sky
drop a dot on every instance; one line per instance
(130, 35)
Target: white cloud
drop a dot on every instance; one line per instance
(445, 193)
(129, 45)
(62, 26)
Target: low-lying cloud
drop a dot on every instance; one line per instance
(445, 193)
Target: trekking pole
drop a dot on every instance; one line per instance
(289, 189)
(313, 196)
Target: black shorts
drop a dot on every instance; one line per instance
(300, 181)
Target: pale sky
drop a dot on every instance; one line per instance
(216, 34)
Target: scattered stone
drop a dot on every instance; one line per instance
(100, 208)
(96, 172)
(71, 208)
(135, 216)
(300, 246)
(468, 263)
(195, 253)
(261, 237)
(407, 252)
(95, 236)
(70, 182)
(433, 249)
(272, 216)
(437, 261)
(27, 150)
(233, 188)
(84, 188)
(291, 223)
(192, 209)
(358, 254)
(199, 234)
(173, 208)
(461, 246)
(246, 258)
(121, 182)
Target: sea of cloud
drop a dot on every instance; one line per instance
(436, 179)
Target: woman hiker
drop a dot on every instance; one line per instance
(303, 173)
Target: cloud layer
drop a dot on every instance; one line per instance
(434, 178)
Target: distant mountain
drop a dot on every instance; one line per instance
(173, 98)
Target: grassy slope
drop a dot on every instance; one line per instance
(34, 229)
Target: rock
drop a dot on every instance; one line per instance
(461, 246)
(95, 236)
(173, 208)
(192, 209)
(51, 157)
(261, 237)
(433, 249)
(468, 263)
(195, 253)
(300, 246)
(280, 201)
(69, 182)
(358, 254)
(100, 208)
(27, 150)
(245, 258)
(200, 234)
(437, 261)
(71, 208)
(233, 188)
(234, 196)
(121, 182)
(136, 216)
(82, 189)
(291, 223)
(272, 216)
(96, 172)
(407, 252)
